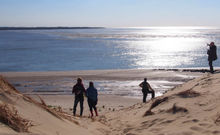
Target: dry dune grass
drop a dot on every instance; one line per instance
(57, 112)
(7, 87)
(10, 117)
(176, 109)
(217, 121)
(188, 94)
(155, 103)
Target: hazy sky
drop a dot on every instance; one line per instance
(110, 13)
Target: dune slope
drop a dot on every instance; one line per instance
(190, 109)
(30, 117)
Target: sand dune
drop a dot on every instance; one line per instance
(43, 120)
(189, 109)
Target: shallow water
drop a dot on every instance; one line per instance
(110, 48)
(63, 86)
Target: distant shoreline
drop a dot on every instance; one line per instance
(46, 28)
(116, 74)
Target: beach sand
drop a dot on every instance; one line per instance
(107, 102)
(191, 108)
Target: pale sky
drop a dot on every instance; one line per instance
(110, 13)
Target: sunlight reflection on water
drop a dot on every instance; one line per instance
(167, 52)
(110, 48)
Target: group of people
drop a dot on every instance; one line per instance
(92, 95)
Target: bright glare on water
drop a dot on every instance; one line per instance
(110, 48)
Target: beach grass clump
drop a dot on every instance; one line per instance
(217, 120)
(7, 87)
(158, 101)
(10, 117)
(188, 94)
(154, 104)
(55, 111)
(176, 109)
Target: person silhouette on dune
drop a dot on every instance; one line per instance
(146, 88)
(212, 56)
(79, 90)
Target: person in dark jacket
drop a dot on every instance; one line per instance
(79, 90)
(92, 96)
(146, 88)
(212, 56)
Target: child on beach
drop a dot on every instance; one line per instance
(78, 89)
(146, 88)
(92, 96)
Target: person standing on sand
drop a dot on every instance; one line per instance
(78, 89)
(92, 96)
(212, 56)
(146, 88)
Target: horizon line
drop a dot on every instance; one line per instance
(101, 27)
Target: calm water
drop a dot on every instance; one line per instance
(111, 48)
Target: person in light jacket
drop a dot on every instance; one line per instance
(92, 96)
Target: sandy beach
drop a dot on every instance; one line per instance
(190, 108)
(116, 67)
(115, 79)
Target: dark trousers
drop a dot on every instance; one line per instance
(211, 67)
(92, 104)
(145, 95)
(77, 100)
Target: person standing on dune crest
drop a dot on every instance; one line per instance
(146, 88)
(79, 90)
(212, 56)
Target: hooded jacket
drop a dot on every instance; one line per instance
(92, 93)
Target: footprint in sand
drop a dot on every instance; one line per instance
(195, 128)
(189, 121)
(166, 122)
(130, 134)
(216, 132)
(204, 124)
(187, 133)
(147, 124)
(126, 130)
(155, 130)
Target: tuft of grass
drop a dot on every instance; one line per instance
(175, 109)
(188, 94)
(8, 88)
(217, 120)
(10, 117)
(157, 102)
(57, 112)
(154, 104)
